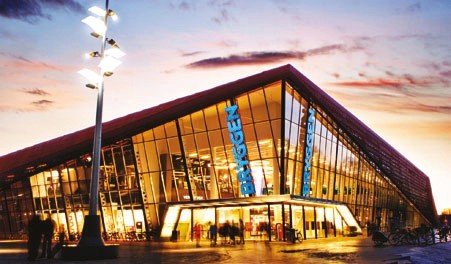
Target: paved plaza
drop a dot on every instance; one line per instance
(333, 250)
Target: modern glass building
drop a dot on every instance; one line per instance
(272, 149)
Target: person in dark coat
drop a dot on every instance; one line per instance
(213, 234)
(48, 227)
(241, 231)
(34, 237)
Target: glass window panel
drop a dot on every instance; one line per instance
(265, 140)
(317, 124)
(244, 109)
(125, 197)
(189, 146)
(294, 138)
(288, 105)
(115, 198)
(129, 159)
(258, 105)
(211, 115)
(107, 156)
(185, 125)
(198, 121)
(290, 171)
(151, 154)
(159, 132)
(215, 139)
(320, 223)
(148, 135)
(276, 127)
(273, 95)
(222, 114)
(119, 165)
(202, 141)
(40, 178)
(171, 129)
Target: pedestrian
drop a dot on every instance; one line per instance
(197, 233)
(234, 231)
(241, 232)
(34, 237)
(213, 234)
(48, 227)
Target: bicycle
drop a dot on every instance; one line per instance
(425, 235)
(402, 236)
(293, 235)
(299, 236)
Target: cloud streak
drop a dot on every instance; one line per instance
(223, 6)
(31, 11)
(393, 80)
(265, 57)
(36, 91)
(43, 102)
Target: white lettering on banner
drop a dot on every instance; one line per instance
(239, 150)
(308, 153)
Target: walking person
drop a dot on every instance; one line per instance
(241, 232)
(48, 227)
(234, 231)
(197, 233)
(213, 234)
(34, 237)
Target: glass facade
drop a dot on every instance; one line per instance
(306, 171)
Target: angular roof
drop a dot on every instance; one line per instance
(408, 178)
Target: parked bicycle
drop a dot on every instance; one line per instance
(294, 235)
(425, 235)
(402, 237)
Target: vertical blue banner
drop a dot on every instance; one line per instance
(308, 153)
(239, 150)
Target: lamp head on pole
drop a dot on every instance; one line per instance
(95, 24)
(101, 12)
(92, 77)
(112, 43)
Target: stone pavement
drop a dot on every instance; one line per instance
(332, 250)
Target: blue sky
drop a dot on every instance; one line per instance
(388, 62)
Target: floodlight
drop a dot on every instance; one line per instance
(114, 52)
(108, 64)
(94, 34)
(112, 43)
(92, 54)
(90, 75)
(97, 11)
(113, 15)
(101, 12)
(96, 24)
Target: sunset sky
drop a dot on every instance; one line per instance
(388, 62)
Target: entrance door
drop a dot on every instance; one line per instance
(259, 223)
(310, 223)
(320, 222)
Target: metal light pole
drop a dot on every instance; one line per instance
(91, 244)
(91, 234)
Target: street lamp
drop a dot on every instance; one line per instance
(91, 244)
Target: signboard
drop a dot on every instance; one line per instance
(239, 150)
(308, 152)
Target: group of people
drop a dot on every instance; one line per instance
(40, 234)
(226, 230)
(231, 231)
